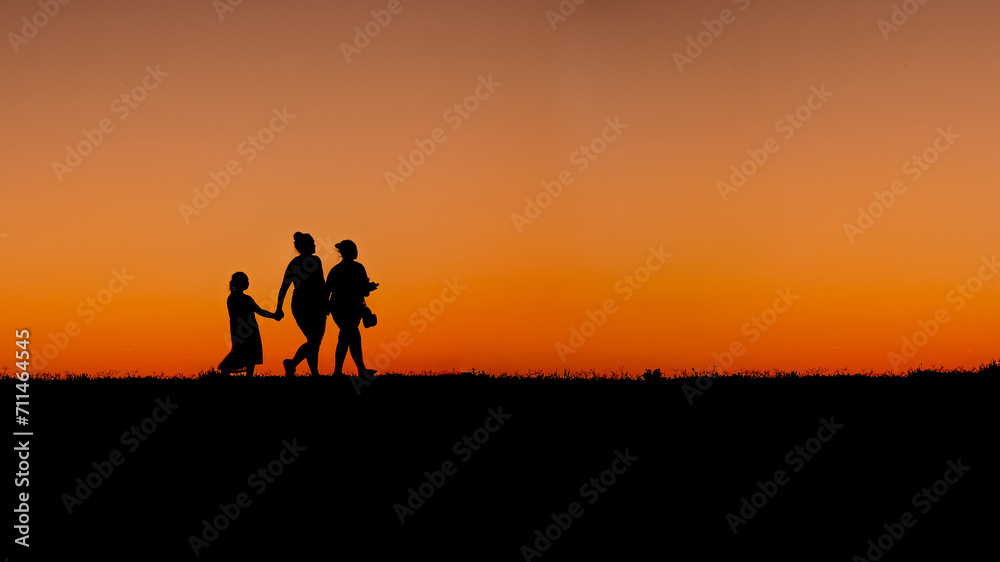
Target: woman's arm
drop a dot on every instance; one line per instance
(286, 280)
(366, 285)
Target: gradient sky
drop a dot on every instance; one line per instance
(219, 79)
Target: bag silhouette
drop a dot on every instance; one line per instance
(368, 318)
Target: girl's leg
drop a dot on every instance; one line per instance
(250, 369)
(315, 339)
(303, 349)
(354, 343)
(309, 351)
(302, 353)
(312, 358)
(342, 346)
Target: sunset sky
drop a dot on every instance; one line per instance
(118, 115)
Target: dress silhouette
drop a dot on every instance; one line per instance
(348, 285)
(247, 349)
(305, 274)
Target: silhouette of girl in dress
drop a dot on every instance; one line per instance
(247, 350)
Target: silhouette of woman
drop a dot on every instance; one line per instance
(305, 273)
(247, 351)
(348, 285)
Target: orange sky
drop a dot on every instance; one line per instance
(111, 226)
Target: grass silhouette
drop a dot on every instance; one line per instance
(650, 375)
(367, 446)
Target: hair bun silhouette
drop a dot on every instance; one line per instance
(304, 242)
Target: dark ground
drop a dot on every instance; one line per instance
(335, 500)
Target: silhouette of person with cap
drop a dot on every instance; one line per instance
(348, 285)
